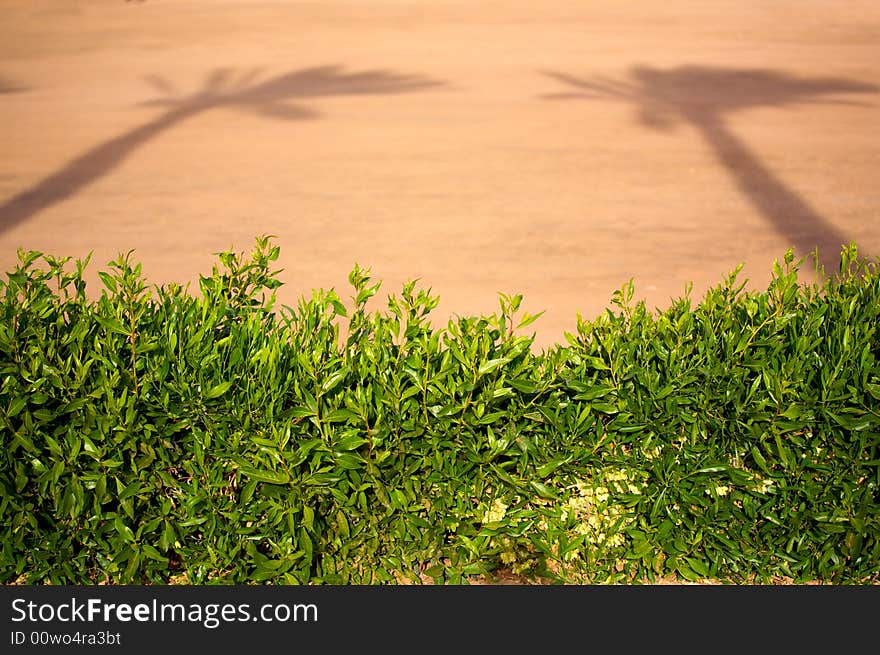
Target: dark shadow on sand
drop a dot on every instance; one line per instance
(703, 97)
(276, 97)
(8, 87)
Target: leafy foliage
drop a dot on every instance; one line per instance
(153, 435)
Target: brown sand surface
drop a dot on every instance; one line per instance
(554, 148)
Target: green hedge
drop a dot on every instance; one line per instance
(154, 435)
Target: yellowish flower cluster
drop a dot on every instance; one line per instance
(764, 486)
(589, 495)
(652, 453)
(622, 482)
(495, 512)
(594, 517)
(719, 489)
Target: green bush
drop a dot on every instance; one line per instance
(153, 435)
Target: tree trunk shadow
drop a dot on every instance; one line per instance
(787, 213)
(702, 97)
(82, 171)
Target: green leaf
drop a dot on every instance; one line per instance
(123, 530)
(642, 548)
(351, 442)
(713, 469)
(546, 469)
(199, 520)
(308, 518)
(528, 319)
(15, 406)
(108, 281)
(491, 365)
(340, 416)
(131, 490)
(686, 572)
(784, 455)
(605, 408)
(153, 554)
(632, 428)
(113, 325)
(759, 460)
(699, 566)
(262, 475)
(594, 392)
(218, 390)
(333, 381)
(543, 490)
(523, 386)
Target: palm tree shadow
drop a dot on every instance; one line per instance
(277, 97)
(8, 87)
(702, 97)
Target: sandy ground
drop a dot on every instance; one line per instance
(553, 148)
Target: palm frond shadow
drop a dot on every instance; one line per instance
(278, 97)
